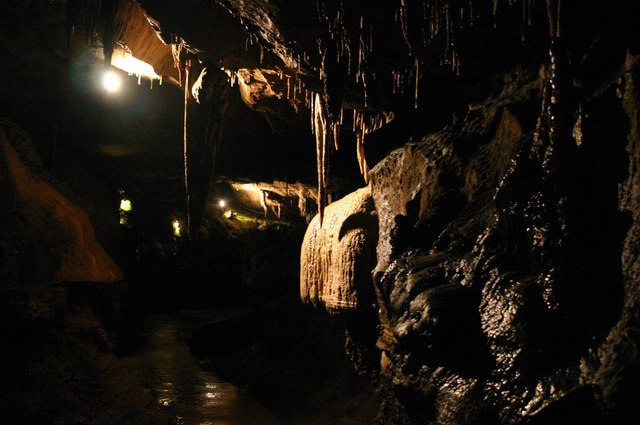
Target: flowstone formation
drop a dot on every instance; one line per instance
(47, 211)
(337, 255)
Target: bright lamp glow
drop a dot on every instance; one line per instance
(221, 203)
(176, 228)
(125, 204)
(111, 82)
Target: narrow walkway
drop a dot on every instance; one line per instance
(158, 355)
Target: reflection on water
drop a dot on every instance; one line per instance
(159, 357)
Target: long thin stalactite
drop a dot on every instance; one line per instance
(184, 145)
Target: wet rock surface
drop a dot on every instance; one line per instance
(501, 275)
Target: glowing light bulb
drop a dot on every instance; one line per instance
(221, 203)
(176, 228)
(125, 205)
(111, 82)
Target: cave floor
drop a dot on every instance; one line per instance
(156, 352)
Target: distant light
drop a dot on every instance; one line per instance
(111, 82)
(125, 208)
(176, 228)
(125, 204)
(221, 203)
(228, 214)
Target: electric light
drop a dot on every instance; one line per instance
(125, 204)
(222, 203)
(125, 208)
(111, 82)
(176, 228)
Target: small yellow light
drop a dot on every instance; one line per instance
(228, 214)
(176, 228)
(125, 204)
(111, 82)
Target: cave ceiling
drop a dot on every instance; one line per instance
(373, 65)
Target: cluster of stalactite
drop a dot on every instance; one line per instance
(351, 47)
(348, 45)
(346, 49)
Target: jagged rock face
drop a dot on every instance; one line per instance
(434, 199)
(266, 91)
(502, 276)
(337, 255)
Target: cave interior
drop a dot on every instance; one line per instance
(339, 212)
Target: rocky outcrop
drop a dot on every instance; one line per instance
(83, 259)
(502, 276)
(336, 257)
(58, 362)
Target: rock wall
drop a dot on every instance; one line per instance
(58, 363)
(49, 211)
(505, 263)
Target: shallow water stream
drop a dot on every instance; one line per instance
(157, 353)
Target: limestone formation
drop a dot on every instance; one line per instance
(337, 256)
(47, 209)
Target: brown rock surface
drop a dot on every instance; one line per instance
(83, 258)
(336, 258)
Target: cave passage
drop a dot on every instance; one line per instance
(156, 352)
(319, 212)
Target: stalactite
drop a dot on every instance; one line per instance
(288, 87)
(360, 132)
(319, 128)
(263, 202)
(415, 104)
(187, 65)
(404, 24)
(176, 53)
(108, 15)
(553, 13)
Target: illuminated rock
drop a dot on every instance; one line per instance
(337, 257)
(47, 209)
